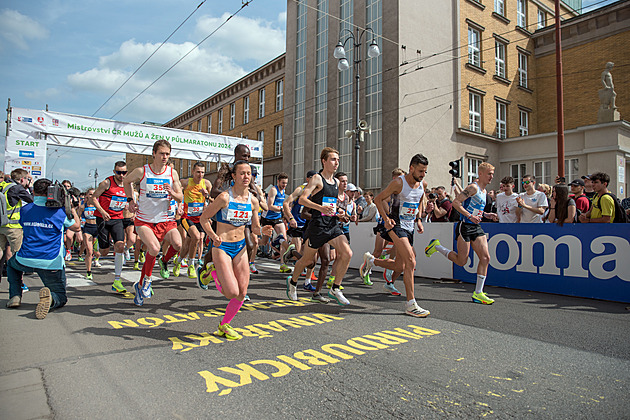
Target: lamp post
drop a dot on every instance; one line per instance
(340, 54)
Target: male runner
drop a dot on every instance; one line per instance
(470, 204)
(155, 216)
(407, 192)
(321, 195)
(273, 216)
(110, 200)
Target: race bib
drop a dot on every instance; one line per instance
(117, 203)
(478, 213)
(239, 212)
(195, 209)
(155, 187)
(408, 210)
(172, 208)
(330, 202)
(88, 213)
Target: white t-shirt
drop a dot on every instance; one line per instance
(537, 200)
(506, 207)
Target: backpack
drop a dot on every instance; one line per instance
(620, 213)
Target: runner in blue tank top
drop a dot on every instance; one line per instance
(273, 217)
(407, 193)
(470, 204)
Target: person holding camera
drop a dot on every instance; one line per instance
(439, 206)
(42, 251)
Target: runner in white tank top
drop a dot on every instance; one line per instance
(154, 201)
(407, 203)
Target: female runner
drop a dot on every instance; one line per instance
(89, 230)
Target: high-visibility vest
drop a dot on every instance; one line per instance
(13, 212)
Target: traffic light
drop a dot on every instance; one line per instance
(456, 168)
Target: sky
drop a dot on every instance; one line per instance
(73, 55)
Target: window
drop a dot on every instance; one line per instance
(521, 17)
(522, 69)
(210, 123)
(501, 120)
(474, 47)
(473, 166)
(277, 134)
(499, 7)
(199, 125)
(279, 95)
(246, 110)
(571, 169)
(542, 19)
(523, 123)
(261, 103)
(220, 123)
(517, 171)
(499, 59)
(261, 136)
(542, 172)
(474, 112)
(232, 115)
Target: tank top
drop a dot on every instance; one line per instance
(404, 205)
(326, 197)
(113, 200)
(274, 215)
(153, 200)
(346, 205)
(296, 210)
(236, 213)
(474, 205)
(194, 199)
(88, 213)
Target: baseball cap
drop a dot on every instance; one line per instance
(586, 176)
(577, 182)
(310, 173)
(352, 187)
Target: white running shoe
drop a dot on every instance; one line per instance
(291, 289)
(337, 295)
(365, 268)
(416, 311)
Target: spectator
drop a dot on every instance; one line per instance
(589, 192)
(561, 207)
(42, 251)
(582, 203)
(16, 192)
(440, 208)
(507, 207)
(491, 206)
(603, 208)
(625, 204)
(533, 203)
(370, 211)
(355, 195)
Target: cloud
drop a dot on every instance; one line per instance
(66, 172)
(17, 29)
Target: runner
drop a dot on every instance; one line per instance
(470, 204)
(273, 217)
(129, 228)
(110, 200)
(321, 195)
(407, 192)
(233, 209)
(89, 229)
(155, 214)
(250, 239)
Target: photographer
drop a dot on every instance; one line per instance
(439, 206)
(15, 192)
(42, 251)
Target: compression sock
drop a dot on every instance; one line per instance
(147, 267)
(480, 282)
(232, 309)
(119, 260)
(442, 250)
(170, 252)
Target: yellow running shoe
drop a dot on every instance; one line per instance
(191, 272)
(482, 298)
(118, 287)
(176, 269)
(228, 332)
(136, 266)
(430, 249)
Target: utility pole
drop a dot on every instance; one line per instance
(95, 172)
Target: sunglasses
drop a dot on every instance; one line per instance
(527, 182)
(121, 172)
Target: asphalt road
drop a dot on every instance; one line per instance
(530, 355)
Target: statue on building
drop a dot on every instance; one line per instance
(607, 97)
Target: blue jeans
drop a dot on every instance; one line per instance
(55, 280)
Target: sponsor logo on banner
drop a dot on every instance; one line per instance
(26, 153)
(26, 162)
(36, 172)
(25, 119)
(55, 122)
(40, 120)
(575, 259)
(37, 168)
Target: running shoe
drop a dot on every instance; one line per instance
(482, 298)
(118, 287)
(291, 289)
(284, 269)
(68, 256)
(228, 332)
(97, 263)
(330, 281)
(387, 275)
(367, 281)
(303, 273)
(176, 269)
(24, 288)
(317, 298)
(184, 262)
(200, 284)
(45, 300)
(416, 311)
(81, 259)
(138, 298)
(308, 287)
(365, 268)
(313, 277)
(252, 268)
(141, 257)
(126, 255)
(136, 266)
(389, 286)
(287, 254)
(246, 298)
(191, 272)
(147, 290)
(14, 302)
(337, 294)
(163, 268)
(89, 277)
(430, 249)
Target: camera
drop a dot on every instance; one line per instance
(432, 196)
(58, 197)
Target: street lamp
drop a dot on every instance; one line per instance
(340, 54)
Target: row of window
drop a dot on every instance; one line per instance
(277, 138)
(261, 109)
(474, 117)
(521, 13)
